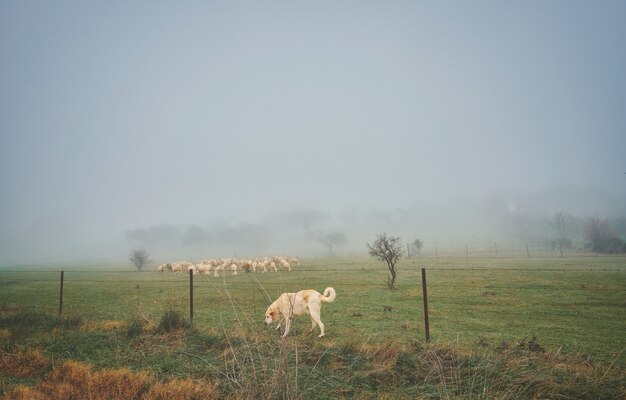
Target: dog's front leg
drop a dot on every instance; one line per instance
(287, 326)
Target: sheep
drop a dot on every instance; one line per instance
(219, 266)
(176, 267)
(203, 269)
(219, 269)
(286, 266)
(246, 265)
(262, 265)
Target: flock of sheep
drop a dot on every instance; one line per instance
(222, 265)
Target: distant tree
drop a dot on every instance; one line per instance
(601, 237)
(139, 258)
(559, 224)
(387, 250)
(332, 239)
(416, 246)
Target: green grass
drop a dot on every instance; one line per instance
(478, 308)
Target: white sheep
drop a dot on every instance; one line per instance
(285, 265)
(220, 269)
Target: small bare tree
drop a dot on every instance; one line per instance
(388, 250)
(139, 258)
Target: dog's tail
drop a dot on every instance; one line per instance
(329, 295)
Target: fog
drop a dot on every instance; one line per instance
(211, 129)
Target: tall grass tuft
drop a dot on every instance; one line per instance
(172, 320)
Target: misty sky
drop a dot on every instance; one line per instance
(116, 116)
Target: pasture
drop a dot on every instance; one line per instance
(573, 309)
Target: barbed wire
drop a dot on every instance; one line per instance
(185, 284)
(339, 269)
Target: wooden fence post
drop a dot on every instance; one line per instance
(527, 252)
(61, 296)
(191, 296)
(425, 294)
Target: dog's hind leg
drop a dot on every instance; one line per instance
(316, 319)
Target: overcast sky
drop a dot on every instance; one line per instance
(122, 115)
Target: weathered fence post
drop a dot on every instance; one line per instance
(191, 296)
(61, 296)
(466, 251)
(425, 294)
(527, 252)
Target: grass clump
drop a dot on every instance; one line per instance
(172, 320)
(135, 328)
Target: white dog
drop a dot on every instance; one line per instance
(289, 305)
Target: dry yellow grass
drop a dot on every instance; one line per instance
(26, 364)
(182, 389)
(77, 380)
(103, 326)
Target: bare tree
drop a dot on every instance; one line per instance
(602, 238)
(388, 250)
(139, 258)
(560, 224)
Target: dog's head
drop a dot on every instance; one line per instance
(270, 316)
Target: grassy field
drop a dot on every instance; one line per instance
(489, 315)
